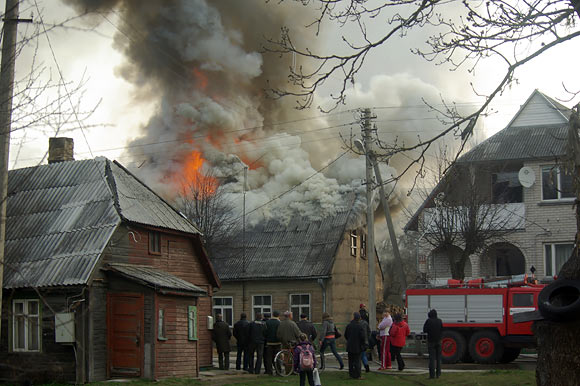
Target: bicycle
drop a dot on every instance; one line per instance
(284, 362)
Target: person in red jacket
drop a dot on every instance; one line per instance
(398, 335)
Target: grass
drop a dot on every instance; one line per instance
(493, 377)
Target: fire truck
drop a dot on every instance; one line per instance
(477, 317)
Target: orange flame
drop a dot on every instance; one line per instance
(193, 177)
(201, 80)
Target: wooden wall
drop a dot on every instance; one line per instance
(55, 361)
(176, 356)
(178, 256)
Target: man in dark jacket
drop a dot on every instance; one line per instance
(221, 336)
(364, 357)
(356, 343)
(433, 327)
(272, 342)
(241, 333)
(307, 327)
(257, 337)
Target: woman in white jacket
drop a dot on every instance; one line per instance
(384, 327)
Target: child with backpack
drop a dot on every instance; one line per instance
(304, 360)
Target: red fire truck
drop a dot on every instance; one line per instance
(477, 317)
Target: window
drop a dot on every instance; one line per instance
(353, 243)
(155, 243)
(523, 300)
(555, 256)
(506, 188)
(225, 306)
(26, 326)
(300, 304)
(556, 185)
(192, 323)
(262, 304)
(363, 245)
(161, 333)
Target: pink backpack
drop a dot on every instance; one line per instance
(306, 359)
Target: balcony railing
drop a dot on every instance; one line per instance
(494, 217)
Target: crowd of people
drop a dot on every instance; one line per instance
(260, 340)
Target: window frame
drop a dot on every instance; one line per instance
(353, 242)
(191, 322)
(262, 307)
(25, 307)
(161, 325)
(223, 307)
(363, 246)
(299, 306)
(154, 242)
(559, 191)
(553, 270)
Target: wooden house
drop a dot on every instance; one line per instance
(303, 266)
(102, 279)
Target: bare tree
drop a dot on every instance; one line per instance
(514, 32)
(392, 284)
(466, 221)
(202, 200)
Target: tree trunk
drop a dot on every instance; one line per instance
(559, 343)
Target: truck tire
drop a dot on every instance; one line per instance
(560, 301)
(452, 346)
(486, 347)
(510, 354)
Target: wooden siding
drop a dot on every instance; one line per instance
(177, 355)
(537, 112)
(178, 257)
(55, 361)
(349, 285)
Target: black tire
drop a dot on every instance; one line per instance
(486, 347)
(560, 301)
(452, 346)
(510, 354)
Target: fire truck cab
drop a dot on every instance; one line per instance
(477, 318)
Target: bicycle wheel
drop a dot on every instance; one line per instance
(284, 363)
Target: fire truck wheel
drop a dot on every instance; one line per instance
(485, 347)
(452, 346)
(510, 354)
(560, 301)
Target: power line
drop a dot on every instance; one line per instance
(297, 185)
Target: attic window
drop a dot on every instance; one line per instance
(154, 243)
(353, 243)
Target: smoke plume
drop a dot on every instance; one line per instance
(203, 64)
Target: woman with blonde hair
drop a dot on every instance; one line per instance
(328, 339)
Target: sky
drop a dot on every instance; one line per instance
(138, 99)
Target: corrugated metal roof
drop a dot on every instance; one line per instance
(155, 278)
(520, 143)
(61, 216)
(300, 249)
(138, 203)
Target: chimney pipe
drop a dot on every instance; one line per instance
(60, 149)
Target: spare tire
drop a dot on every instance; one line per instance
(560, 301)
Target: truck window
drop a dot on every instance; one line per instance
(523, 300)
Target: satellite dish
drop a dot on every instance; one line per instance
(526, 177)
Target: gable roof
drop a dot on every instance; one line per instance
(61, 216)
(301, 249)
(538, 130)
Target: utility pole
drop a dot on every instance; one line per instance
(367, 139)
(6, 93)
(387, 210)
(244, 244)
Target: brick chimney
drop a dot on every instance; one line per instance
(60, 149)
